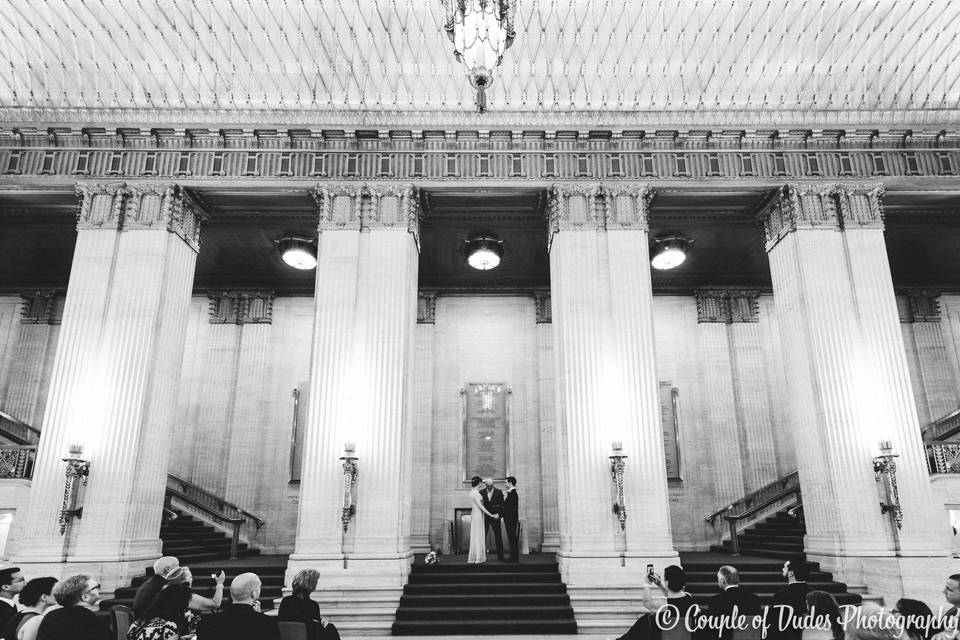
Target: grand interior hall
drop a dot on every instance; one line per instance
(278, 279)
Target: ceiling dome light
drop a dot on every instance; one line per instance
(299, 253)
(483, 251)
(669, 252)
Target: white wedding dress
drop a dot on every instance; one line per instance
(478, 533)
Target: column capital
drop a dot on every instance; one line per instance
(577, 206)
(727, 306)
(831, 206)
(364, 207)
(241, 307)
(126, 206)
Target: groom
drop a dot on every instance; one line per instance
(493, 502)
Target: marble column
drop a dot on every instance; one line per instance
(32, 353)
(366, 296)
(849, 388)
(607, 387)
(548, 429)
(114, 380)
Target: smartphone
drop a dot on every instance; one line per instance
(649, 569)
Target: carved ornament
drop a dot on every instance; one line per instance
(727, 306)
(241, 307)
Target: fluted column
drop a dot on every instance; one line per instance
(366, 295)
(606, 386)
(114, 379)
(548, 424)
(38, 330)
(850, 386)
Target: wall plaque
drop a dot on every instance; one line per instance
(485, 410)
(669, 420)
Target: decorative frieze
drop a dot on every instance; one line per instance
(919, 305)
(821, 206)
(241, 307)
(403, 154)
(544, 307)
(727, 306)
(42, 306)
(576, 206)
(125, 207)
(426, 307)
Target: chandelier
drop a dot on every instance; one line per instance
(481, 30)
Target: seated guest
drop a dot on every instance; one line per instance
(646, 625)
(146, 593)
(298, 607)
(948, 624)
(34, 599)
(733, 601)
(75, 620)
(825, 617)
(241, 619)
(916, 615)
(182, 575)
(164, 619)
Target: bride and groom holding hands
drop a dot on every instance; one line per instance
(490, 506)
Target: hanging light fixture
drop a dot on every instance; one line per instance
(669, 252)
(481, 30)
(299, 253)
(483, 251)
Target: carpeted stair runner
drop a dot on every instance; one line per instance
(779, 536)
(206, 551)
(487, 599)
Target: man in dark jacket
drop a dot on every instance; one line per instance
(149, 590)
(790, 604)
(732, 608)
(241, 620)
(511, 517)
(78, 596)
(11, 582)
(493, 502)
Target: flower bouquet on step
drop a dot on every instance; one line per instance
(431, 558)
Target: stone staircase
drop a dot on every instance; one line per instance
(207, 551)
(779, 536)
(454, 598)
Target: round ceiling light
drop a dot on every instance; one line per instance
(299, 253)
(483, 251)
(669, 252)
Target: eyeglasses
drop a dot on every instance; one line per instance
(93, 588)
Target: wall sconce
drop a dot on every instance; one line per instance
(617, 465)
(885, 470)
(349, 483)
(77, 467)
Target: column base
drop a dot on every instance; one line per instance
(420, 543)
(353, 571)
(893, 578)
(551, 542)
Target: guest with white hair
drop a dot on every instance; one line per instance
(241, 619)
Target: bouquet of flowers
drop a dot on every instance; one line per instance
(431, 558)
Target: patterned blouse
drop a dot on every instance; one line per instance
(153, 629)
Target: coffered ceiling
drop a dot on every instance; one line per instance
(382, 61)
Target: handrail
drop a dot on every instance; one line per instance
(762, 494)
(215, 502)
(750, 505)
(942, 428)
(21, 433)
(212, 505)
(942, 457)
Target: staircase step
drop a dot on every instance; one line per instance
(484, 627)
(539, 588)
(484, 577)
(456, 614)
(493, 600)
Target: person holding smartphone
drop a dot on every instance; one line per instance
(671, 586)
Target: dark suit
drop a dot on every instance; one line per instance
(511, 519)
(238, 622)
(730, 602)
(6, 612)
(493, 503)
(788, 604)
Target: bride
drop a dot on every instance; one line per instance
(478, 528)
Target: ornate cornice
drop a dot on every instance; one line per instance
(831, 206)
(241, 307)
(576, 206)
(919, 305)
(544, 307)
(127, 206)
(364, 207)
(42, 306)
(727, 306)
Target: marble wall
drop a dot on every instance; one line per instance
(234, 416)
